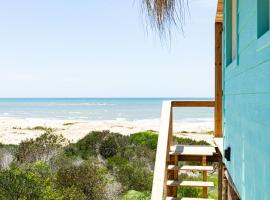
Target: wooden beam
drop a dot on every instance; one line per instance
(204, 174)
(162, 155)
(218, 69)
(193, 103)
(214, 158)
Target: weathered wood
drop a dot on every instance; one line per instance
(219, 13)
(193, 103)
(224, 188)
(190, 168)
(159, 181)
(192, 150)
(172, 175)
(190, 183)
(214, 158)
(186, 198)
(220, 177)
(204, 177)
(219, 144)
(218, 79)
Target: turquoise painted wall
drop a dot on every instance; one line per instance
(246, 97)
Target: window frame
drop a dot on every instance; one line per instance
(263, 17)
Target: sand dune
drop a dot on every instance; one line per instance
(14, 130)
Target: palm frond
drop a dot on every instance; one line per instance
(166, 13)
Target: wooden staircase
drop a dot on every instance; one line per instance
(166, 174)
(173, 169)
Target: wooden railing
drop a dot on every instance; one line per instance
(164, 142)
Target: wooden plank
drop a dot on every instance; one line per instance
(204, 175)
(190, 183)
(190, 168)
(158, 188)
(220, 178)
(172, 175)
(191, 103)
(218, 79)
(219, 143)
(192, 150)
(214, 158)
(186, 198)
(218, 69)
(219, 13)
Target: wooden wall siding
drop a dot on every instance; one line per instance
(246, 105)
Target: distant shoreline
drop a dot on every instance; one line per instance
(14, 130)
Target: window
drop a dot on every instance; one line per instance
(231, 31)
(263, 18)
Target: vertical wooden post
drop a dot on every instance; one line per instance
(204, 174)
(173, 175)
(220, 178)
(225, 188)
(218, 69)
(173, 160)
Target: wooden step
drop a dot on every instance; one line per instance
(186, 198)
(190, 168)
(192, 150)
(190, 183)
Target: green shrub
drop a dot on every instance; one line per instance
(147, 138)
(97, 142)
(87, 146)
(135, 195)
(188, 141)
(87, 178)
(132, 175)
(73, 193)
(41, 148)
(32, 182)
(42, 128)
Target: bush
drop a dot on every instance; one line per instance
(112, 144)
(32, 182)
(87, 146)
(104, 143)
(132, 175)
(86, 178)
(188, 141)
(135, 195)
(41, 148)
(147, 138)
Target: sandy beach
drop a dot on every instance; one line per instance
(15, 130)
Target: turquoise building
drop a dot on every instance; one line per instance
(246, 96)
(241, 145)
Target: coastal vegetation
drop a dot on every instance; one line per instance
(101, 166)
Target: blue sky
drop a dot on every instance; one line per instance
(82, 48)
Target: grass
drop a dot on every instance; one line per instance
(41, 128)
(69, 123)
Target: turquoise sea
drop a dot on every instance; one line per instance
(97, 109)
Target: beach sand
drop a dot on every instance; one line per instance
(15, 130)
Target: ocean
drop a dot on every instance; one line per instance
(98, 109)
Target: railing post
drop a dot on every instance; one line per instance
(218, 70)
(173, 160)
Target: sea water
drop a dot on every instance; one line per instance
(98, 109)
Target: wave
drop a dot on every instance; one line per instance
(81, 104)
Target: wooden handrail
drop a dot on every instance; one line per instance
(193, 103)
(164, 142)
(162, 155)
